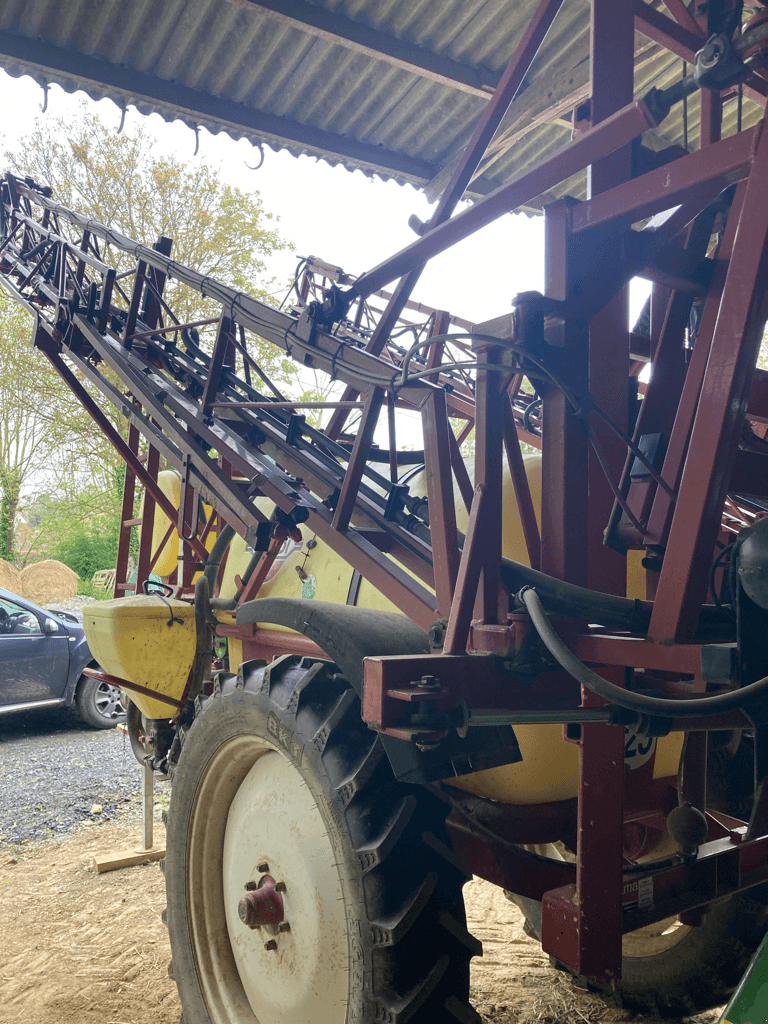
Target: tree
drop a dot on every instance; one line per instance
(32, 417)
(47, 442)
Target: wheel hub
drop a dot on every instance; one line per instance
(262, 906)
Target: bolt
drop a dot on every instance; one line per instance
(284, 926)
(428, 683)
(272, 944)
(250, 886)
(279, 886)
(263, 867)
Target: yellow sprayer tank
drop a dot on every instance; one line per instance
(549, 770)
(136, 639)
(145, 639)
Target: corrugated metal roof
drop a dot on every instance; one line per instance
(234, 66)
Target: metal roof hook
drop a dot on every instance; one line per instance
(197, 139)
(122, 119)
(44, 106)
(260, 164)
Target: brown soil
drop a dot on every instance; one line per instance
(83, 948)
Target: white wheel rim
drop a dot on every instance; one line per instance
(253, 807)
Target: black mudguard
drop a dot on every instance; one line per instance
(348, 635)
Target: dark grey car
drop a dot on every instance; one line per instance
(42, 657)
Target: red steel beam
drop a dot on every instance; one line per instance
(522, 490)
(509, 84)
(672, 36)
(490, 401)
(565, 451)
(722, 164)
(145, 564)
(460, 618)
(593, 145)
(117, 441)
(356, 466)
(442, 509)
(126, 514)
(612, 75)
(661, 512)
(683, 17)
(720, 415)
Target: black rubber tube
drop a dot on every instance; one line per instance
(639, 703)
(211, 570)
(213, 562)
(608, 610)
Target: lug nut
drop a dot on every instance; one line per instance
(279, 886)
(263, 867)
(250, 886)
(284, 926)
(272, 944)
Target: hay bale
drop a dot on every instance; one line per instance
(9, 577)
(47, 581)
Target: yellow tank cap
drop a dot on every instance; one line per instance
(147, 640)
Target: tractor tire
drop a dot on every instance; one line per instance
(679, 969)
(279, 775)
(674, 969)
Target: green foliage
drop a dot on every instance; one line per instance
(85, 588)
(5, 522)
(87, 549)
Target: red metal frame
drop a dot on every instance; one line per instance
(575, 343)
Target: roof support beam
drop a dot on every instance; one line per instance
(336, 28)
(72, 70)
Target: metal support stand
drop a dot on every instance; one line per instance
(147, 851)
(147, 807)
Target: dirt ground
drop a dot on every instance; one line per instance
(83, 948)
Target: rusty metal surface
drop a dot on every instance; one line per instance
(237, 68)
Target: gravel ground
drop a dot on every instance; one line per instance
(54, 768)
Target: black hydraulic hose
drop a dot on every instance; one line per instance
(608, 610)
(201, 666)
(639, 703)
(404, 457)
(213, 563)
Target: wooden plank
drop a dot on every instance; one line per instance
(126, 858)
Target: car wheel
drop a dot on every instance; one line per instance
(100, 704)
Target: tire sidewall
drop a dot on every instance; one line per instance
(225, 718)
(703, 969)
(85, 703)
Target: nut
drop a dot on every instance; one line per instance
(250, 886)
(272, 944)
(284, 926)
(279, 886)
(263, 867)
